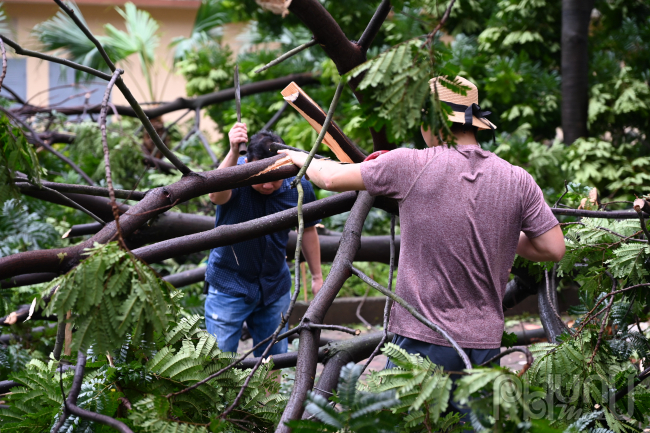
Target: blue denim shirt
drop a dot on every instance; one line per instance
(245, 268)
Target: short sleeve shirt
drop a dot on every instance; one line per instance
(246, 268)
(461, 212)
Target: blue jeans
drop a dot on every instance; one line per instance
(225, 315)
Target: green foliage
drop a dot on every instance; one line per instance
(61, 35)
(183, 354)
(566, 372)
(15, 155)
(37, 401)
(421, 386)
(361, 411)
(4, 24)
(593, 243)
(22, 230)
(400, 78)
(608, 166)
(141, 38)
(125, 151)
(13, 358)
(510, 49)
(617, 170)
(206, 31)
(509, 339)
(206, 68)
(111, 294)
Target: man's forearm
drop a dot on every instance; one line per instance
(223, 196)
(230, 160)
(330, 175)
(311, 251)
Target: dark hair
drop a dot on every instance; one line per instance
(459, 127)
(258, 146)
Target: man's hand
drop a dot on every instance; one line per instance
(237, 135)
(298, 158)
(316, 283)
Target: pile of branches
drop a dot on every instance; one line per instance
(123, 242)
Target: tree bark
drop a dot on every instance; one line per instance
(230, 234)
(340, 272)
(575, 68)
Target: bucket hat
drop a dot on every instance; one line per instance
(465, 109)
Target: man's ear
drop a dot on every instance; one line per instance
(245, 160)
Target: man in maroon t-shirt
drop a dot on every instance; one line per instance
(464, 213)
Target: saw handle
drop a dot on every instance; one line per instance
(243, 149)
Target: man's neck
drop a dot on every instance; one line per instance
(465, 137)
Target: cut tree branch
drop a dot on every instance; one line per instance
(345, 54)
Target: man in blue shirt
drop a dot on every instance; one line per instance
(250, 281)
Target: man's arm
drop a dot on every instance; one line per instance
(311, 251)
(329, 175)
(548, 247)
(238, 134)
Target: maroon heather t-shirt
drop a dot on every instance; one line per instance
(461, 211)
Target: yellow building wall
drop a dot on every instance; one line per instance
(174, 21)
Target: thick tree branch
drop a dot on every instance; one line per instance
(302, 79)
(307, 352)
(374, 25)
(619, 214)
(229, 234)
(346, 55)
(28, 280)
(553, 326)
(29, 185)
(87, 190)
(155, 202)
